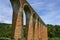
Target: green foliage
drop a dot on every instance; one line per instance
(54, 38)
(19, 39)
(5, 30)
(53, 31)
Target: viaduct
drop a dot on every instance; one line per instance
(35, 27)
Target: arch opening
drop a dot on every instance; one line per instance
(26, 14)
(27, 9)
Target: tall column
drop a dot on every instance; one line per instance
(30, 29)
(18, 26)
(45, 33)
(39, 30)
(17, 22)
(36, 34)
(27, 24)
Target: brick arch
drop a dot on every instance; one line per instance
(27, 9)
(28, 15)
(32, 19)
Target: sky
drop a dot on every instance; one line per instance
(48, 10)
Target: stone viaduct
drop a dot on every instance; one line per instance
(35, 27)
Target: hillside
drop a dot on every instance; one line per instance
(5, 30)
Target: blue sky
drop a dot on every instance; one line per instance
(48, 10)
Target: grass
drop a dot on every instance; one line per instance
(54, 38)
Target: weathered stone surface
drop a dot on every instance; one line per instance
(39, 31)
(30, 29)
(35, 28)
(36, 34)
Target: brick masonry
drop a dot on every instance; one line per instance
(35, 29)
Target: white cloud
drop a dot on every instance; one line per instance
(5, 11)
(4, 20)
(7, 21)
(51, 17)
(51, 12)
(38, 3)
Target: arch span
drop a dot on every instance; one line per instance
(27, 14)
(33, 22)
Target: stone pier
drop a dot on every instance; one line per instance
(35, 28)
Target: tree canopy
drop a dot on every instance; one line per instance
(6, 29)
